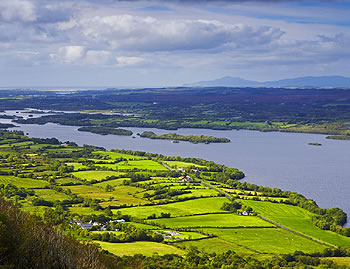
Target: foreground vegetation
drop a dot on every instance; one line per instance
(103, 207)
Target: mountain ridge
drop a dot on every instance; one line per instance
(306, 81)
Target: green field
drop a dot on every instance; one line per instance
(342, 261)
(144, 248)
(51, 195)
(84, 210)
(20, 144)
(144, 226)
(95, 175)
(116, 155)
(114, 182)
(176, 164)
(189, 236)
(77, 165)
(216, 245)
(196, 206)
(214, 220)
(23, 182)
(297, 219)
(121, 194)
(264, 240)
(139, 165)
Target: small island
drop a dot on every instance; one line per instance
(6, 125)
(105, 130)
(314, 144)
(190, 138)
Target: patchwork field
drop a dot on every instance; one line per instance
(158, 206)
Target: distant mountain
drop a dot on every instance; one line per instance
(226, 82)
(322, 81)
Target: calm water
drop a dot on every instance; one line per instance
(282, 160)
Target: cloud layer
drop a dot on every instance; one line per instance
(121, 36)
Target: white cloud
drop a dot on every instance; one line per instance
(17, 10)
(124, 61)
(129, 32)
(71, 54)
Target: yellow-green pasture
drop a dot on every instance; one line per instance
(144, 248)
(23, 182)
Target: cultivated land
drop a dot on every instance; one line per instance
(142, 203)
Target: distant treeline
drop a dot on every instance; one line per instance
(339, 137)
(6, 125)
(191, 138)
(105, 130)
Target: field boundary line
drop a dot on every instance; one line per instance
(298, 233)
(275, 223)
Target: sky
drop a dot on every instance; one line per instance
(114, 43)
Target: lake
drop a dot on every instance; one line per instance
(274, 159)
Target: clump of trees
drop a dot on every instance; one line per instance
(129, 234)
(10, 190)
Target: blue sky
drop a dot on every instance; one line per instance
(169, 43)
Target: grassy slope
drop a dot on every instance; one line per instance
(263, 240)
(296, 219)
